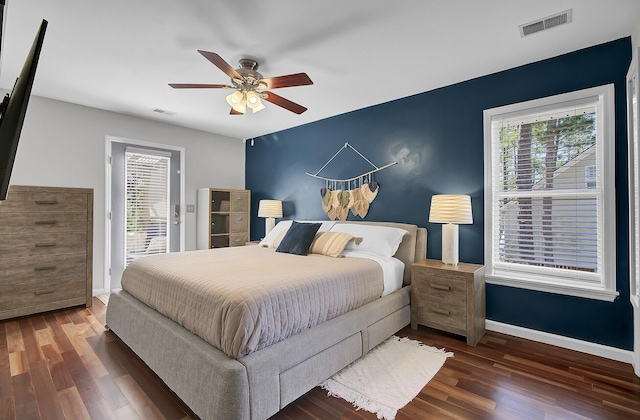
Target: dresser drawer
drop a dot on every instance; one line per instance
(42, 244)
(43, 202)
(43, 222)
(36, 293)
(15, 271)
(447, 313)
(440, 287)
(239, 223)
(239, 202)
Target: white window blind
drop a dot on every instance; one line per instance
(546, 184)
(147, 203)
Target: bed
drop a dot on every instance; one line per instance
(251, 379)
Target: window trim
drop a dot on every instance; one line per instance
(633, 116)
(605, 289)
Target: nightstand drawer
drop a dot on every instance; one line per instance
(449, 298)
(429, 286)
(447, 313)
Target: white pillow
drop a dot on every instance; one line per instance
(281, 226)
(286, 224)
(382, 241)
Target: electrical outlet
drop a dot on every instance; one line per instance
(191, 208)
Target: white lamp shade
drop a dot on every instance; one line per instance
(270, 208)
(451, 208)
(253, 101)
(237, 101)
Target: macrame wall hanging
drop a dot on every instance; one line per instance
(355, 194)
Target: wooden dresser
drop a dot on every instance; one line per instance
(46, 250)
(449, 298)
(223, 218)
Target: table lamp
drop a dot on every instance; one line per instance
(452, 210)
(269, 209)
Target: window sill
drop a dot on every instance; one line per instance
(542, 286)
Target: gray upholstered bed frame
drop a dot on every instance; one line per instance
(258, 385)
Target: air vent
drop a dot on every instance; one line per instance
(164, 111)
(545, 23)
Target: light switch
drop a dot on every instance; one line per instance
(191, 208)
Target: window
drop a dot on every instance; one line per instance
(549, 194)
(590, 176)
(147, 203)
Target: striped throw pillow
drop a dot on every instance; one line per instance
(330, 243)
(278, 239)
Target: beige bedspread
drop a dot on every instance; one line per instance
(242, 299)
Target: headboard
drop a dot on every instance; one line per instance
(412, 248)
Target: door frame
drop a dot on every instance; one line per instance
(109, 140)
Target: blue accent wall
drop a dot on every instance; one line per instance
(437, 139)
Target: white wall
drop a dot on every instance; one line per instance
(63, 145)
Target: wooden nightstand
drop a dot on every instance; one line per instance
(449, 298)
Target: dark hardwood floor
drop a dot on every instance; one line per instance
(64, 365)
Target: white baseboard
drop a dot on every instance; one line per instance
(595, 349)
(97, 292)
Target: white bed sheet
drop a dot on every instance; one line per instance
(392, 270)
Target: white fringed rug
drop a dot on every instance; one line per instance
(388, 377)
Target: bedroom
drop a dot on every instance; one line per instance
(219, 160)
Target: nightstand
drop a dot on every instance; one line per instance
(449, 298)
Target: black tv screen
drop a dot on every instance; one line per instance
(13, 110)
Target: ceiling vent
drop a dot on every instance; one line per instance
(164, 111)
(545, 23)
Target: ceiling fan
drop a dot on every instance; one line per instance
(250, 87)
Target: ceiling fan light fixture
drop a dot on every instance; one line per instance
(249, 86)
(254, 102)
(252, 98)
(235, 98)
(259, 107)
(238, 101)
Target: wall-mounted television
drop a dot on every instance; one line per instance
(13, 110)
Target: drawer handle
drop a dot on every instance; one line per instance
(43, 245)
(46, 222)
(46, 202)
(45, 268)
(441, 311)
(441, 287)
(45, 291)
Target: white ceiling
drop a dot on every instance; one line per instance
(119, 55)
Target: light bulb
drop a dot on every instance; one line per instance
(237, 101)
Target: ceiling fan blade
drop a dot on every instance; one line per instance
(234, 112)
(198, 86)
(298, 79)
(285, 103)
(221, 64)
